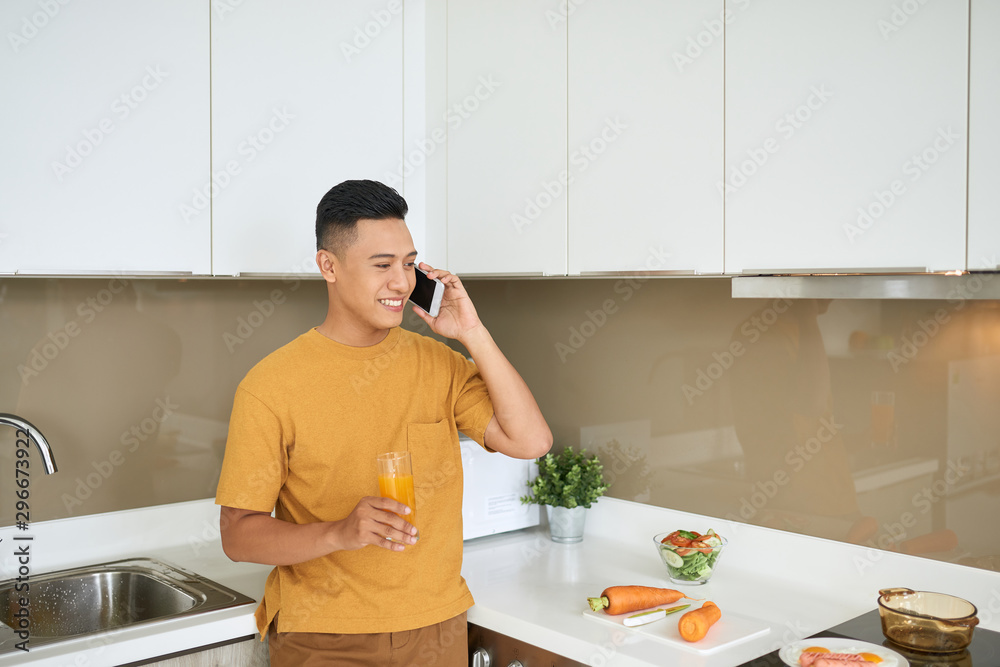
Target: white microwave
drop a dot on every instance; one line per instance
(493, 486)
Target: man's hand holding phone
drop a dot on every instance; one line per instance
(456, 316)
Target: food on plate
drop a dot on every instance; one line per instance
(649, 616)
(816, 649)
(694, 625)
(825, 659)
(623, 599)
(689, 555)
(871, 657)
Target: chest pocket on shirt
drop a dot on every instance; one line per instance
(437, 461)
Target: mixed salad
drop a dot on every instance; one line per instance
(690, 556)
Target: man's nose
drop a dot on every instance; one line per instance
(398, 280)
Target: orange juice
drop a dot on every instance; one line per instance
(400, 487)
(883, 417)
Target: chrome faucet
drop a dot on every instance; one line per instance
(32, 432)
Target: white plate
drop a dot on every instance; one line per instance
(790, 654)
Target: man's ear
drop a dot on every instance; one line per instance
(327, 263)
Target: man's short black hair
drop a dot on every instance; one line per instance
(340, 209)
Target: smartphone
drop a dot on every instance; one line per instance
(427, 293)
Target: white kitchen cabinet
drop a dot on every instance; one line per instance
(506, 137)
(984, 136)
(305, 94)
(645, 136)
(105, 136)
(845, 135)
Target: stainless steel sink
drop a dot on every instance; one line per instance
(99, 598)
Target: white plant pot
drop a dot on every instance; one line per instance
(566, 525)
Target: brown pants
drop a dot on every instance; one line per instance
(445, 644)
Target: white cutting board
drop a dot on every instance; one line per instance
(728, 630)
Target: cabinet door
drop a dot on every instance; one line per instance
(105, 135)
(305, 94)
(984, 136)
(645, 136)
(846, 135)
(507, 158)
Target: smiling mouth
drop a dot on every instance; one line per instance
(392, 303)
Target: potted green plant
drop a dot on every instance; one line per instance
(567, 484)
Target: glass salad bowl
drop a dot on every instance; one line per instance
(690, 557)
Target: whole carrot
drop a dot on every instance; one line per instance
(623, 599)
(694, 625)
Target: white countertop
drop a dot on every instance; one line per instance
(530, 588)
(525, 585)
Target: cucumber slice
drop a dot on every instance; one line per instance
(671, 558)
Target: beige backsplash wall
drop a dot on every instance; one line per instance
(133, 384)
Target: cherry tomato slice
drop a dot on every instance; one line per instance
(701, 546)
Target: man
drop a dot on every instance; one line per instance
(353, 585)
(783, 415)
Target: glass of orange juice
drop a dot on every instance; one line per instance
(395, 480)
(883, 418)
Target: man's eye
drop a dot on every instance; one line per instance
(410, 265)
(382, 266)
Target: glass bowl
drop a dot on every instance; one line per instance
(929, 622)
(688, 566)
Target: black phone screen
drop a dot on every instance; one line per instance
(423, 292)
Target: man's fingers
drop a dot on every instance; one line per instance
(442, 275)
(422, 314)
(388, 505)
(389, 537)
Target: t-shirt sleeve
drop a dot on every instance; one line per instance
(255, 464)
(473, 407)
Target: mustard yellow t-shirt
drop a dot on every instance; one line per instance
(307, 423)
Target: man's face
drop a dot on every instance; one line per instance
(374, 276)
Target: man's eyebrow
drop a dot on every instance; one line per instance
(389, 255)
